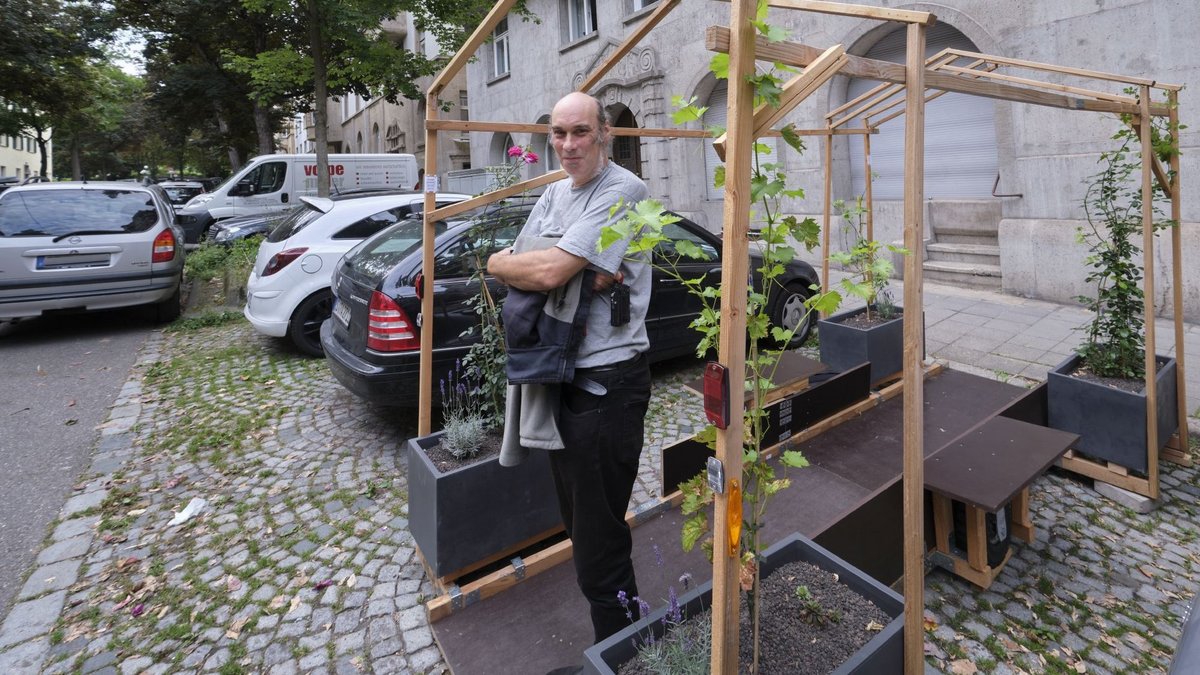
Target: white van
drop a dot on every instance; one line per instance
(276, 182)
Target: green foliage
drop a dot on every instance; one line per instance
(211, 261)
(464, 421)
(863, 257)
(1115, 345)
(210, 319)
(812, 611)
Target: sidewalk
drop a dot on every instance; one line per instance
(301, 560)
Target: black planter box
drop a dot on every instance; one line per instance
(884, 654)
(1111, 423)
(843, 347)
(473, 515)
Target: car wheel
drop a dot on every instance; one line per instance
(788, 311)
(305, 326)
(168, 310)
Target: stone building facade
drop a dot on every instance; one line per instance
(1009, 175)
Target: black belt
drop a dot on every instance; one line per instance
(609, 367)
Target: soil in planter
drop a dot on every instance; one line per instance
(861, 321)
(789, 642)
(446, 462)
(1123, 383)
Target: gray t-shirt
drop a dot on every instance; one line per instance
(578, 214)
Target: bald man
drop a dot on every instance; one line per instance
(602, 433)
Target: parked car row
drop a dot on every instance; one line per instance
(75, 246)
(372, 343)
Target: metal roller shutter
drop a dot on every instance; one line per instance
(960, 133)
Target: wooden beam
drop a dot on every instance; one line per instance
(795, 54)
(879, 122)
(1177, 279)
(428, 236)
(482, 32)
(735, 270)
(1079, 91)
(494, 196)
(1065, 70)
(526, 128)
(933, 60)
(914, 340)
(861, 11)
(630, 42)
(868, 199)
(827, 146)
(1148, 294)
(890, 89)
(794, 92)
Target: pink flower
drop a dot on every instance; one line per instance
(515, 151)
(531, 157)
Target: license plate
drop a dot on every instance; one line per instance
(77, 261)
(341, 312)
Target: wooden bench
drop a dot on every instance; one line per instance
(986, 468)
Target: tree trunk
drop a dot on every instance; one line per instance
(320, 91)
(262, 126)
(235, 158)
(41, 141)
(76, 164)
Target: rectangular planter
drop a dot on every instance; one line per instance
(1111, 423)
(473, 515)
(884, 654)
(843, 347)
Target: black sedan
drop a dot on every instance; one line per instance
(372, 343)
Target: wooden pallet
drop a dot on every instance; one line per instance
(1109, 472)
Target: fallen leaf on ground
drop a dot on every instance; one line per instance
(874, 626)
(930, 625)
(232, 583)
(136, 512)
(235, 630)
(1143, 570)
(1080, 667)
(322, 584)
(128, 599)
(294, 604)
(962, 667)
(351, 581)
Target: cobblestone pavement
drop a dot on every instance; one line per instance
(300, 561)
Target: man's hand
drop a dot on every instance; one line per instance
(603, 280)
(540, 270)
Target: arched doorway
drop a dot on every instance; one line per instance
(626, 150)
(960, 132)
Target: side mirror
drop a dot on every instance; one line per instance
(241, 190)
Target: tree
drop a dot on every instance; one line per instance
(342, 51)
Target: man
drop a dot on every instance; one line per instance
(602, 432)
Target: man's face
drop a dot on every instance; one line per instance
(577, 138)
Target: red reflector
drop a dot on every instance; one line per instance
(419, 285)
(164, 247)
(282, 259)
(388, 328)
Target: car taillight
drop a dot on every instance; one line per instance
(281, 260)
(164, 247)
(388, 328)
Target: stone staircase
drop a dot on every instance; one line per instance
(965, 249)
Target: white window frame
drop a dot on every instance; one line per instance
(575, 32)
(639, 5)
(500, 54)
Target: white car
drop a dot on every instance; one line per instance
(288, 294)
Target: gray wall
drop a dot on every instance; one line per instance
(1044, 153)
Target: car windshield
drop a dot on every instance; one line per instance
(180, 195)
(51, 213)
(297, 219)
(376, 256)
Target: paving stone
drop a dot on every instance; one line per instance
(350, 642)
(83, 502)
(69, 529)
(53, 577)
(136, 665)
(99, 662)
(26, 657)
(29, 619)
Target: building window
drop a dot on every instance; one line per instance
(376, 146)
(3, 141)
(500, 49)
(462, 106)
(643, 4)
(395, 139)
(581, 19)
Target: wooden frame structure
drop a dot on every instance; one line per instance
(744, 124)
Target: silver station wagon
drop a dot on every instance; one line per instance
(87, 246)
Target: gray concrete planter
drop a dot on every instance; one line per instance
(884, 654)
(843, 347)
(478, 513)
(1111, 423)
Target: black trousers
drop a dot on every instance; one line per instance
(594, 476)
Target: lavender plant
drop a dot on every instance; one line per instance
(463, 419)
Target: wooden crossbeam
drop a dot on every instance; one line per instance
(526, 128)
(482, 200)
(861, 11)
(630, 42)
(794, 92)
(1080, 91)
(796, 54)
(876, 123)
(1067, 70)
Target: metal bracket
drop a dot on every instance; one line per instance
(939, 559)
(519, 567)
(459, 601)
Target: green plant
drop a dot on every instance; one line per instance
(812, 611)
(643, 227)
(864, 257)
(1115, 343)
(210, 261)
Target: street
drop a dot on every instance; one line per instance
(60, 376)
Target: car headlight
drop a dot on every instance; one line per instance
(224, 234)
(198, 200)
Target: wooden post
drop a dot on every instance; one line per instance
(425, 378)
(828, 147)
(1148, 292)
(732, 352)
(868, 202)
(1177, 275)
(914, 393)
